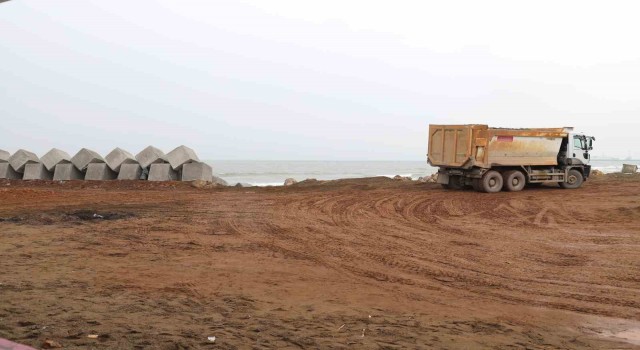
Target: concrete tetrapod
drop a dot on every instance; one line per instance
(130, 172)
(67, 171)
(117, 157)
(84, 157)
(4, 156)
(21, 158)
(180, 156)
(100, 171)
(150, 155)
(162, 172)
(36, 171)
(7, 172)
(55, 157)
(197, 171)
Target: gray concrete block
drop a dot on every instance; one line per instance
(55, 157)
(7, 172)
(99, 171)
(162, 172)
(197, 171)
(629, 168)
(117, 157)
(4, 156)
(21, 158)
(67, 171)
(150, 155)
(84, 157)
(180, 156)
(36, 171)
(130, 172)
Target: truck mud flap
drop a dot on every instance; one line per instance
(443, 179)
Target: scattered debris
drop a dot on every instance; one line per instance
(596, 172)
(363, 330)
(93, 336)
(341, 327)
(211, 339)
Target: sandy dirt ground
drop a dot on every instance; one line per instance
(362, 264)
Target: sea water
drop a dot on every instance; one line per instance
(273, 173)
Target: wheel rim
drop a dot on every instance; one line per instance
(515, 181)
(492, 182)
(572, 179)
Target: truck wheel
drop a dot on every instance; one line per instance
(573, 180)
(491, 182)
(514, 181)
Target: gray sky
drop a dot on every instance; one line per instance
(343, 80)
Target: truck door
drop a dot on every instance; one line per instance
(580, 149)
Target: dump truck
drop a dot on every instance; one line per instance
(494, 159)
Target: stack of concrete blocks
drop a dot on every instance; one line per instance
(18, 162)
(181, 163)
(6, 171)
(124, 164)
(185, 161)
(154, 164)
(92, 165)
(46, 168)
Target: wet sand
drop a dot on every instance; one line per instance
(364, 263)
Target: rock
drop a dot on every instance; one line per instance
(51, 344)
(402, 178)
(290, 181)
(428, 179)
(200, 184)
(596, 172)
(626, 169)
(243, 184)
(219, 181)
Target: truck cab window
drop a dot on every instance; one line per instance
(577, 143)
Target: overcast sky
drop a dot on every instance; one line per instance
(324, 80)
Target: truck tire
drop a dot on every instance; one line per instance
(514, 181)
(574, 180)
(491, 182)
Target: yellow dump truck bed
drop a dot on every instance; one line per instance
(465, 146)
